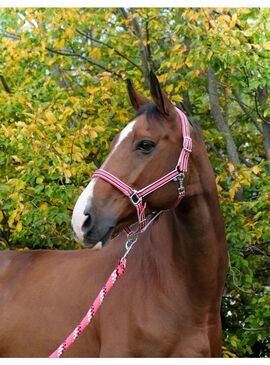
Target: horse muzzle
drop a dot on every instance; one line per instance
(89, 230)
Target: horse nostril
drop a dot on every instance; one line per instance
(87, 225)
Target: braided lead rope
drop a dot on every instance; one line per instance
(115, 275)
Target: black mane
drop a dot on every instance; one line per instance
(152, 113)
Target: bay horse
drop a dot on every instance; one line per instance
(168, 302)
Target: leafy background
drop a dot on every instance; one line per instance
(63, 98)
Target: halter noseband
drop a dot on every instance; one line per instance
(178, 174)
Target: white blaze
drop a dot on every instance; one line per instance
(122, 136)
(78, 217)
(85, 199)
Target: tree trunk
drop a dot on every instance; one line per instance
(145, 56)
(266, 141)
(218, 117)
(221, 124)
(261, 98)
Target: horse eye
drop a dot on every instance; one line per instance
(145, 146)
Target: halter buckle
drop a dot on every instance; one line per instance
(187, 144)
(135, 198)
(180, 179)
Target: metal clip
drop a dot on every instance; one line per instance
(180, 179)
(129, 244)
(135, 198)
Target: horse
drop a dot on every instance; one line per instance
(168, 302)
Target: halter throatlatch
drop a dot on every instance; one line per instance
(178, 175)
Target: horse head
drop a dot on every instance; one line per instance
(145, 150)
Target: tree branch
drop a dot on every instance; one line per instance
(256, 329)
(218, 117)
(220, 123)
(5, 85)
(87, 59)
(248, 114)
(148, 47)
(124, 15)
(142, 49)
(258, 111)
(109, 46)
(10, 35)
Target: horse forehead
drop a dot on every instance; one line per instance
(125, 132)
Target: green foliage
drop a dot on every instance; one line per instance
(63, 98)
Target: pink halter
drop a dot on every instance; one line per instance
(178, 174)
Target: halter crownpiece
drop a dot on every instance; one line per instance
(178, 174)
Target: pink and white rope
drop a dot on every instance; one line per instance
(116, 274)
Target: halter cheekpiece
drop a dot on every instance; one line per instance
(178, 175)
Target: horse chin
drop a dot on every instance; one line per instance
(97, 244)
(105, 240)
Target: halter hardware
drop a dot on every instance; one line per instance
(180, 179)
(135, 198)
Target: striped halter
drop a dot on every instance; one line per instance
(178, 175)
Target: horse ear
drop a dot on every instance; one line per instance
(137, 99)
(160, 98)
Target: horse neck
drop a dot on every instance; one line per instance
(190, 239)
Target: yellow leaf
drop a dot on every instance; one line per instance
(60, 43)
(69, 32)
(196, 73)
(266, 45)
(93, 134)
(77, 156)
(256, 169)
(231, 167)
(234, 17)
(50, 116)
(245, 177)
(219, 188)
(189, 63)
(177, 98)
(105, 96)
(12, 218)
(18, 227)
(95, 53)
(43, 206)
(68, 173)
(163, 77)
(20, 185)
(175, 48)
(98, 128)
(39, 180)
(234, 189)
(169, 88)
(1, 216)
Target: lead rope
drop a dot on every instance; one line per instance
(115, 275)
